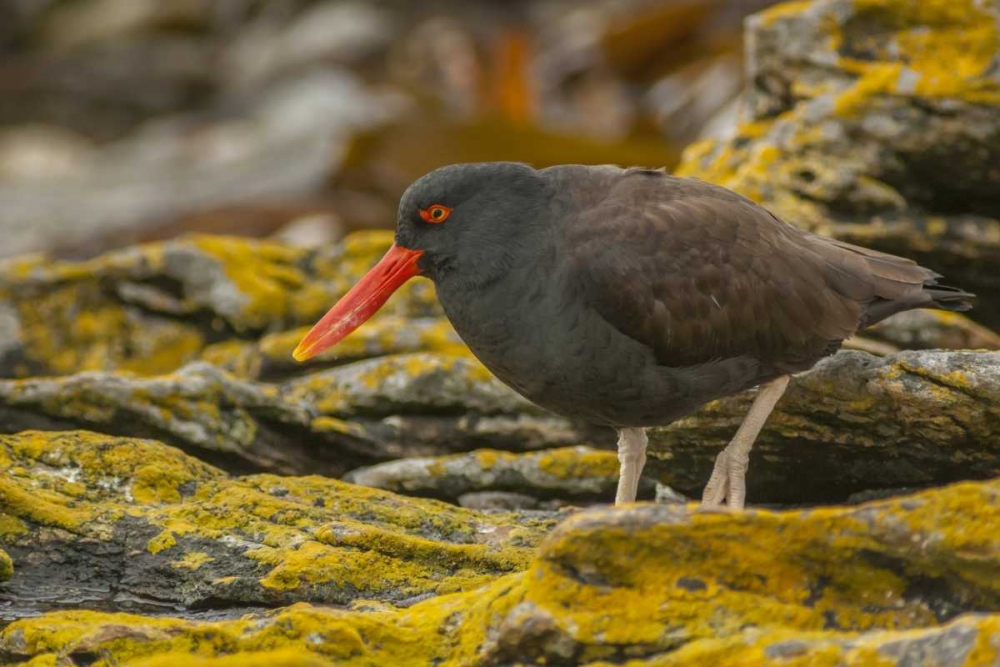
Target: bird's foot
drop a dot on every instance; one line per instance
(728, 481)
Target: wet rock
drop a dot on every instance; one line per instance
(667, 585)
(570, 473)
(853, 423)
(877, 123)
(326, 422)
(91, 519)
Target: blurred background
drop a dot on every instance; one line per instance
(124, 121)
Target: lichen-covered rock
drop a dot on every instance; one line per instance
(6, 566)
(970, 641)
(570, 474)
(876, 121)
(92, 518)
(854, 422)
(660, 585)
(326, 422)
(150, 309)
(270, 358)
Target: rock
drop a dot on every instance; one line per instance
(326, 422)
(666, 585)
(852, 423)
(667, 496)
(271, 357)
(6, 566)
(927, 329)
(501, 500)
(878, 123)
(569, 474)
(93, 519)
(150, 309)
(970, 641)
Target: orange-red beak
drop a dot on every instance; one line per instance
(361, 302)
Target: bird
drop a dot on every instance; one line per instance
(629, 297)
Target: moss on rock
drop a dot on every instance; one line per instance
(139, 517)
(660, 585)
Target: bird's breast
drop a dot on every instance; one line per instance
(554, 350)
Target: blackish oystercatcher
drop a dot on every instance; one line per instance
(629, 297)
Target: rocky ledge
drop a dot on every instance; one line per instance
(95, 520)
(664, 585)
(855, 423)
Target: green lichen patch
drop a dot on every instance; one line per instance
(175, 529)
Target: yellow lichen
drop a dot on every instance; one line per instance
(676, 586)
(71, 318)
(311, 533)
(11, 527)
(949, 44)
(578, 462)
(287, 657)
(192, 560)
(268, 277)
(165, 540)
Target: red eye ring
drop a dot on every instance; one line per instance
(435, 214)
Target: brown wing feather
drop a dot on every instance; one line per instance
(700, 274)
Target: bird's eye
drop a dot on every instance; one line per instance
(435, 214)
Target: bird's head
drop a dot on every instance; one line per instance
(462, 223)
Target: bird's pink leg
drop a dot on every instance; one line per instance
(632, 455)
(728, 480)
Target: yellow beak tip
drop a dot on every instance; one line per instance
(301, 354)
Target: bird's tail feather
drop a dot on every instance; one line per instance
(890, 284)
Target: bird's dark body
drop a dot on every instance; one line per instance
(628, 297)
